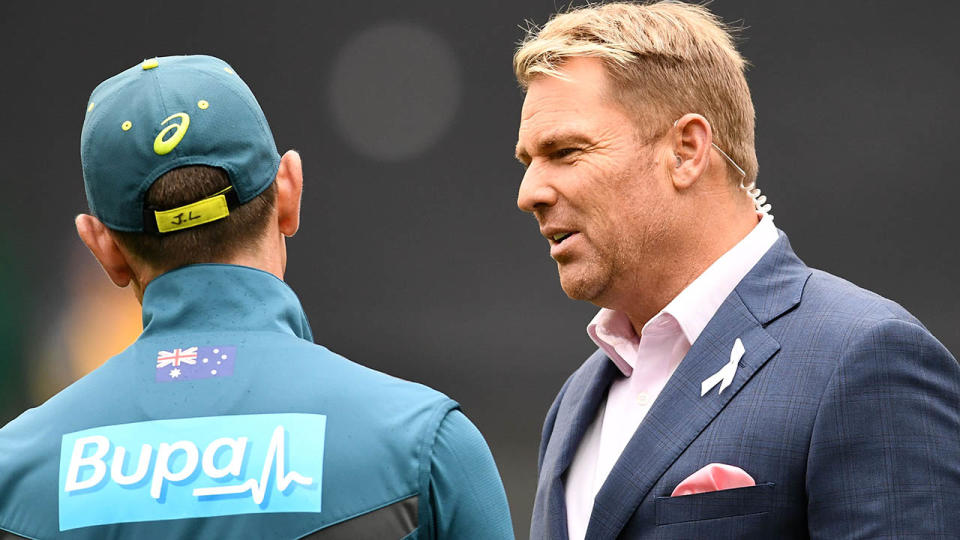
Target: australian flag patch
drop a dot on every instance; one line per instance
(195, 363)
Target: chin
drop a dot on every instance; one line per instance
(581, 285)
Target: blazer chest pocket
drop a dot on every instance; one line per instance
(715, 504)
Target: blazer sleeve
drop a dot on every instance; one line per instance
(884, 457)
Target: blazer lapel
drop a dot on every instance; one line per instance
(577, 410)
(680, 413)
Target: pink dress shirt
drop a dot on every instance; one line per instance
(647, 362)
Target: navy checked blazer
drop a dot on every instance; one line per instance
(844, 409)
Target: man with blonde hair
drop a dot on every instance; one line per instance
(736, 392)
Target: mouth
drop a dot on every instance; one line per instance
(561, 242)
(558, 238)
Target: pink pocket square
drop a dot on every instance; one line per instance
(714, 477)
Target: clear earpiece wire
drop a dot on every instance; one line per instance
(752, 190)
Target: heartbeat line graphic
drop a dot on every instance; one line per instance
(275, 456)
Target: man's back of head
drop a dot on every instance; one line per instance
(220, 240)
(224, 419)
(180, 167)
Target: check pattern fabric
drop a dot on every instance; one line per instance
(844, 409)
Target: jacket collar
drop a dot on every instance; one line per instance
(775, 284)
(221, 297)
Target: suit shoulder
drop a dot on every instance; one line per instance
(836, 321)
(841, 318)
(837, 297)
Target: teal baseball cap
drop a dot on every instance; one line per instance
(165, 113)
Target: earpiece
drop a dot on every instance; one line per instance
(759, 201)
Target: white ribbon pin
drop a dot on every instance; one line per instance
(726, 373)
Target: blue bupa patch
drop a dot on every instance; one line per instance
(191, 467)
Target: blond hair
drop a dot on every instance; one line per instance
(666, 59)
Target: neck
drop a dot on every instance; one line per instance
(652, 289)
(269, 255)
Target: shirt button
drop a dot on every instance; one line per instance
(643, 399)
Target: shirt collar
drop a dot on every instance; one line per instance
(693, 308)
(221, 297)
(612, 331)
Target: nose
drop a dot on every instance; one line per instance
(536, 191)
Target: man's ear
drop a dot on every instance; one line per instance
(691, 148)
(98, 240)
(289, 188)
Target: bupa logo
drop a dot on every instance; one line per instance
(192, 467)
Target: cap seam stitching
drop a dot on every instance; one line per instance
(146, 183)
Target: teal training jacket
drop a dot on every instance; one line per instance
(224, 420)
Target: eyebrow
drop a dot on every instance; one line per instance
(549, 141)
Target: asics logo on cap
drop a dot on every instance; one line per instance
(164, 146)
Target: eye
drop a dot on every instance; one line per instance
(564, 152)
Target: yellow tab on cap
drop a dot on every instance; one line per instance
(191, 215)
(150, 64)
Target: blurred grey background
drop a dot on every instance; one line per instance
(412, 257)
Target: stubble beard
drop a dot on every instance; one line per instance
(607, 278)
(587, 279)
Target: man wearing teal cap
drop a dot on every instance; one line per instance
(223, 419)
